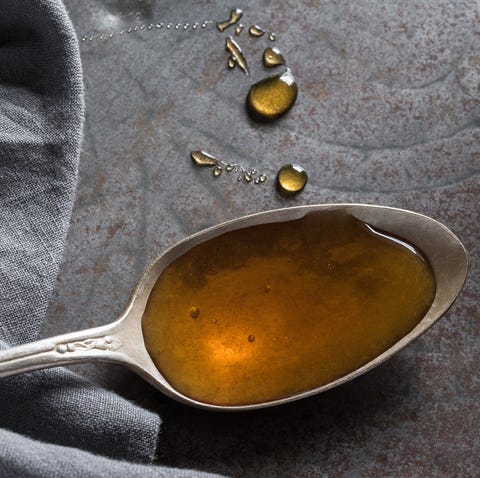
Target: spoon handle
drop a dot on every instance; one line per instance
(96, 344)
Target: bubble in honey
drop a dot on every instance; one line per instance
(203, 159)
(272, 97)
(291, 179)
(194, 312)
(267, 288)
(235, 15)
(273, 57)
(214, 320)
(236, 53)
(251, 338)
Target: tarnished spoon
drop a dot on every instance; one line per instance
(122, 341)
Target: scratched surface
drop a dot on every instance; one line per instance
(388, 113)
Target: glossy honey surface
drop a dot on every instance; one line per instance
(272, 97)
(269, 311)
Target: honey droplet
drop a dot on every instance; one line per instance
(238, 29)
(236, 53)
(231, 63)
(194, 312)
(203, 159)
(273, 57)
(256, 31)
(291, 179)
(251, 338)
(272, 97)
(217, 170)
(235, 15)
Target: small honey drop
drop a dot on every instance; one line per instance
(231, 63)
(291, 179)
(251, 338)
(203, 159)
(261, 179)
(194, 312)
(217, 170)
(256, 31)
(238, 29)
(236, 53)
(273, 57)
(235, 15)
(272, 97)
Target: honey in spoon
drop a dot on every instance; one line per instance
(283, 308)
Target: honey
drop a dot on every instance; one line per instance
(272, 97)
(272, 57)
(235, 16)
(291, 179)
(283, 308)
(236, 55)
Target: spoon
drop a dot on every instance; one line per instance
(123, 341)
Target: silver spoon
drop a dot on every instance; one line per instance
(122, 341)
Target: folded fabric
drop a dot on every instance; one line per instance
(51, 461)
(49, 418)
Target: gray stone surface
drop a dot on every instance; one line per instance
(388, 112)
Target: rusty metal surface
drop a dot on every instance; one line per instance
(388, 112)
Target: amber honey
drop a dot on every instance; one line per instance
(268, 311)
(272, 97)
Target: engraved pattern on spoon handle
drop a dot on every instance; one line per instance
(96, 344)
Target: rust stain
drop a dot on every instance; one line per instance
(101, 265)
(114, 228)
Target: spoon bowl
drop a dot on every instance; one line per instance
(123, 342)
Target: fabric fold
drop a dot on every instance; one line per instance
(41, 120)
(52, 461)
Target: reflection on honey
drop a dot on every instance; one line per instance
(283, 308)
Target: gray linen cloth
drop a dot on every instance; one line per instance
(53, 423)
